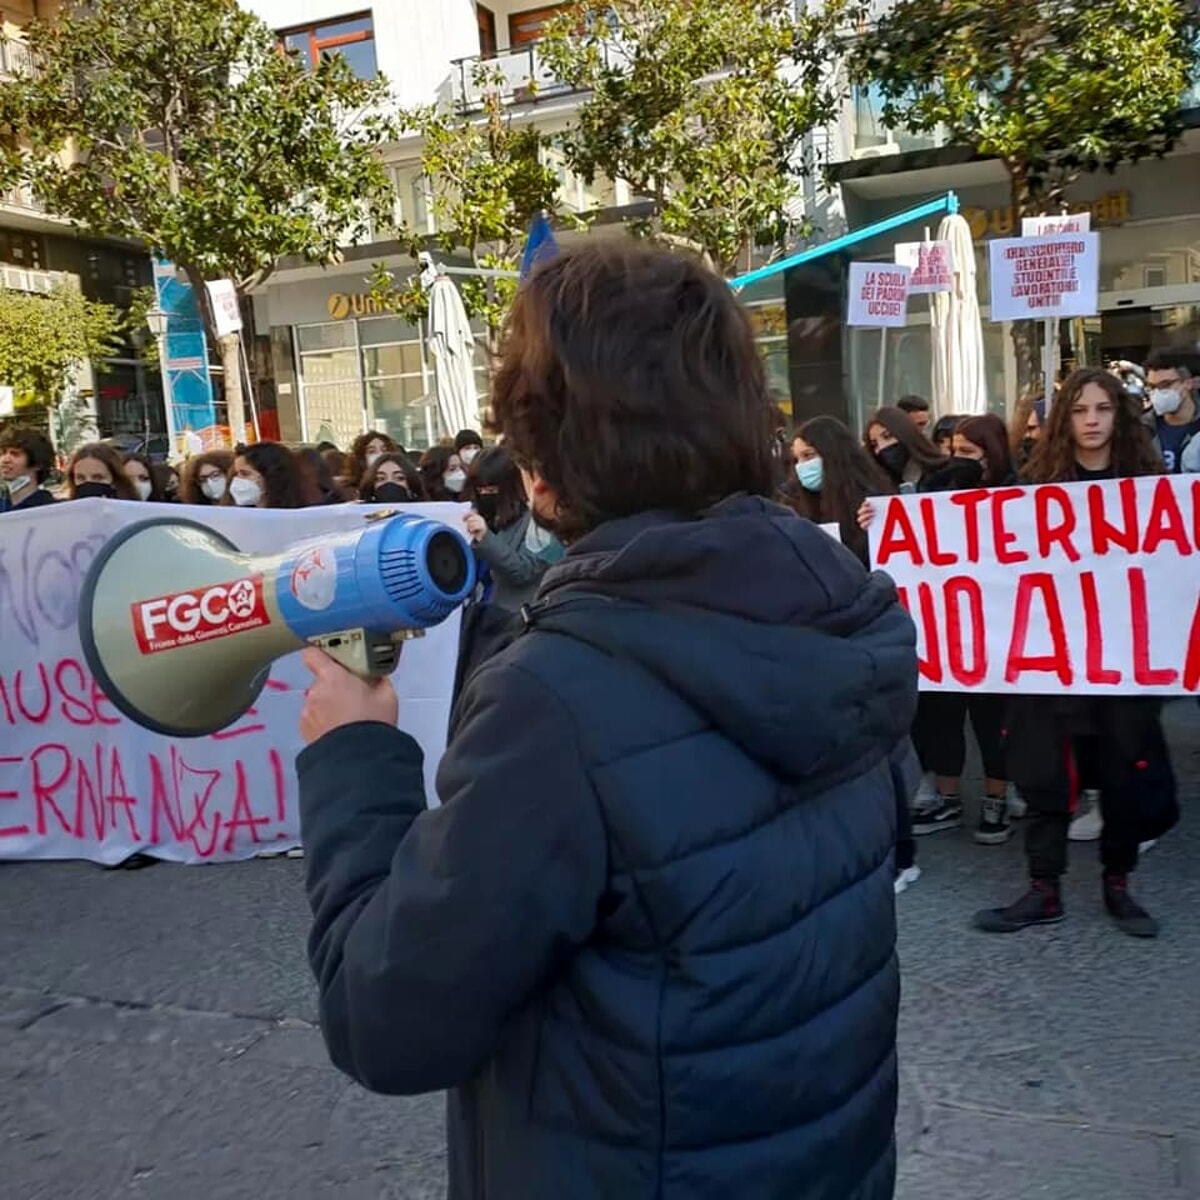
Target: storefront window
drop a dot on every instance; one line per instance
(126, 401)
(1158, 254)
(367, 374)
(907, 367)
(769, 319)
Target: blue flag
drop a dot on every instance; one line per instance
(539, 244)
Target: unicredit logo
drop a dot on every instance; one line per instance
(186, 618)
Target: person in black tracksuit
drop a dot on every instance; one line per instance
(981, 459)
(1093, 432)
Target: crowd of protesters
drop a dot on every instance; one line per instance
(1113, 783)
(1102, 424)
(512, 551)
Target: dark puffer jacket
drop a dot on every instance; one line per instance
(649, 934)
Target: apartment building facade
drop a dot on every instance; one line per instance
(340, 363)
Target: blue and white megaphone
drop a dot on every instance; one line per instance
(180, 628)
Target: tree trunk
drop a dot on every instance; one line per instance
(1024, 333)
(235, 404)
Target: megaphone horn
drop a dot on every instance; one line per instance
(188, 658)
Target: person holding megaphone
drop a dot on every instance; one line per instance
(648, 935)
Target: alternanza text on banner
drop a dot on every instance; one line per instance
(1082, 588)
(80, 781)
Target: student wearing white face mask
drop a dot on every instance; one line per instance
(442, 473)
(1173, 419)
(265, 475)
(26, 459)
(139, 470)
(469, 446)
(205, 477)
(833, 478)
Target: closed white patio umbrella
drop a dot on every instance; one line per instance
(959, 378)
(452, 344)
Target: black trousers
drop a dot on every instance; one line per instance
(1050, 813)
(939, 732)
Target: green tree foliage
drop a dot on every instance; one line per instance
(181, 124)
(703, 108)
(44, 340)
(488, 177)
(1051, 89)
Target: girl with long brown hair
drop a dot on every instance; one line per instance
(1092, 432)
(900, 449)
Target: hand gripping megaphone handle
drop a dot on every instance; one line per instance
(369, 655)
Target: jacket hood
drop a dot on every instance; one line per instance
(758, 619)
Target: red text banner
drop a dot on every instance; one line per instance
(78, 780)
(1086, 588)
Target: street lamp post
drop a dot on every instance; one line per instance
(157, 322)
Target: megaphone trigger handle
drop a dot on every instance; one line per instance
(368, 655)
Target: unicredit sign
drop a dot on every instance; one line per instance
(186, 618)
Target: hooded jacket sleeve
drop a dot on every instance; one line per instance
(513, 561)
(432, 929)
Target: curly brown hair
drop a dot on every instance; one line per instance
(1054, 458)
(629, 381)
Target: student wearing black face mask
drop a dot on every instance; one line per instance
(980, 459)
(97, 472)
(900, 449)
(391, 479)
(498, 527)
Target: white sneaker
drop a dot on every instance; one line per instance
(906, 878)
(1017, 807)
(1088, 826)
(1144, 846)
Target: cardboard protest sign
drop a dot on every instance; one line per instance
(78, 780)
(1045, 277)
(878, 295)
(1080, 222)
(1082, 588)
(932, 265)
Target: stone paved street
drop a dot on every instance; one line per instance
(156, 1039)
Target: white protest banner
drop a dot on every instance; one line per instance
(1081, 588)
(1045, 277)
(878, 295)
(1080, 222)
(227, 314)
(932, 266)
(79, 781)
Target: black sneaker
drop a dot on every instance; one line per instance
(1041, 905)
(944, 813)
(994, 828)
(1130, 916)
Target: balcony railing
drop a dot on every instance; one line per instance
(21, 197)
(522, 74)
(16, 59)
